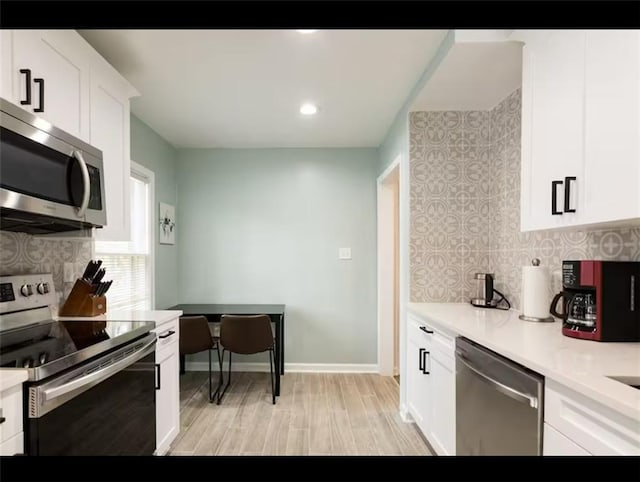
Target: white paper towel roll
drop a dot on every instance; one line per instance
(535, 291)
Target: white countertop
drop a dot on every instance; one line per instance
(155, 316)
(582, 365)
(10, 377)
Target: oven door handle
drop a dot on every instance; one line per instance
(86, 188)
(501, 387)
(98, 376)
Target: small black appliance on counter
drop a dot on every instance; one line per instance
(484, 297)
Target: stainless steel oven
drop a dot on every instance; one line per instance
(50, 181)
(91, 386)
(106, 407)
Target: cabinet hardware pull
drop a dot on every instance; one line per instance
(554, 197)
(421, 359)
(424, 362)
(567, 194)
(168, 334)
(40, 82)
(427, 331)
(157, 376)
(3, 419)
(27, 81)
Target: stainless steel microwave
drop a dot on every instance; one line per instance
(50, 181)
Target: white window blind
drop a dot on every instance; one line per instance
(128, 264)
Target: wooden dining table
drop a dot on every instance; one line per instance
(213, 312)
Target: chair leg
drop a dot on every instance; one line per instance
(210, 394)
(220, 380)
(221, 394)
(273, 382)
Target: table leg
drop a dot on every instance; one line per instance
(277, 356)
(282, 343)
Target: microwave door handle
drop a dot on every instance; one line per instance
(86, 193)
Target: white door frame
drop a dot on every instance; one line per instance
(386, 205)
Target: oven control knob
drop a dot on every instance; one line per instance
(43, 288)
(27, 362)
(42, 358)
(26, 290)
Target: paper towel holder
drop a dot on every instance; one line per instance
(547, 319)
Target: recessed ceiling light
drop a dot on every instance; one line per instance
(306, 31)
(308, 109)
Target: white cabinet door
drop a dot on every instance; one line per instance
(612, 125)
(442, 425)
(418, 383)
(110, 133)
(552, 127)
(167, 398)
(58, 63)
(554, 443)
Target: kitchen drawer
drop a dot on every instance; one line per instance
(593, 426)
(13, 445)
(554, 443)
(11, 406)
(414, 331)
(445, 344)
(165, 337)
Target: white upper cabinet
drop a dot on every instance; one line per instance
(50, 78)
(57, 75)
(580, 127)
(110, 133)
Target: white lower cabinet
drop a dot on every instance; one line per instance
(554, 443)
(168, 388)
(11, 428)
(431, 384)
(590, 425)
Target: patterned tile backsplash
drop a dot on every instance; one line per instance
(465, 209)
(23, 254)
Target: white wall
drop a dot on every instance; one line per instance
(265, 225)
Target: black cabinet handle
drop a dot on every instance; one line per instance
(424, 362)
(157, 376)
(3, 419)
(567, 194)
(40, 107)
(168, 334)
(421, 359)
(554, 197)
(428, 332)
(27, 81)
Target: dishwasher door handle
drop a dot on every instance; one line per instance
(501, 387)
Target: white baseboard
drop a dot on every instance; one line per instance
(405, 415)
(289, 367)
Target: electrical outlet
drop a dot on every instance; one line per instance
(68, 273)
(344, 253)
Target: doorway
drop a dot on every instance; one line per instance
(388, 190)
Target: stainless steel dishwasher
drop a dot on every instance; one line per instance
(498, 404)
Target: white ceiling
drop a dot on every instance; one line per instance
(244, 88)
(473, 76)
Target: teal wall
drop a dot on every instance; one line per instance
(265, 225)
(397, 139)
(156, 154)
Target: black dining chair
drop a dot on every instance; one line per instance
(247, 334)
(195, 337)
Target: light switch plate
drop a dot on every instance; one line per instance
(344, 253)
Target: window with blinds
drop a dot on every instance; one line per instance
(128, 264)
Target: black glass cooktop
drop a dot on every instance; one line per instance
(49, 347)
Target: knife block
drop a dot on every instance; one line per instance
(82, 302)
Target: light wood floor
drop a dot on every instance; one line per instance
(316, 414)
